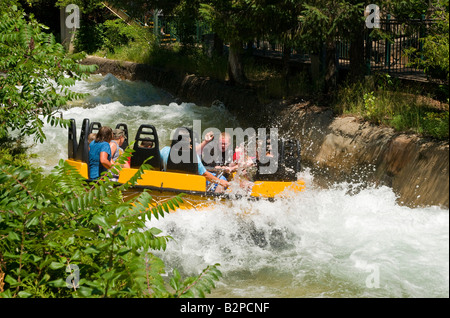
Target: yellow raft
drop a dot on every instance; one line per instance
(174, 182)
(164, 184)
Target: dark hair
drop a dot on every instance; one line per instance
(147, 143)
(104, 134)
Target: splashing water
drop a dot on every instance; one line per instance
(318, 243)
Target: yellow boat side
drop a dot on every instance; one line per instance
(270, 189)
(166, 180)
(181, 182)
(82, 167)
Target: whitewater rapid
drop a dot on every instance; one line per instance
(329, 242)
(319, 243)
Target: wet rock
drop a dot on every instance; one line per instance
(416, 168)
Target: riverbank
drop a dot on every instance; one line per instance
(339, 148)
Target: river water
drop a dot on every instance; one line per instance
(319, 243)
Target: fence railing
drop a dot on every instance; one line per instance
(384, 48)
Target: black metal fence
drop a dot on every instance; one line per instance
(385, 48)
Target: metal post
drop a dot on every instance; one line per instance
(388, 43)
(421, 35)
(156, 24)
(368, 40)
(197, 25)
(323, 58)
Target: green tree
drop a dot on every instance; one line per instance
(433, 58)
(86, 6)
(186, 16)
(35, 75)
(323, 22)
(233, 22)
(229, 19)
(279, 23)
(405, 10)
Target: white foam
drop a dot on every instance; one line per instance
(320, 237)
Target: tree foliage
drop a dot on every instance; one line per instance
(62, 237)
(309, 25)
(433, 57)
(404, 10)
(35, 74)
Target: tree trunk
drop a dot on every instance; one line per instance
(235, 66)
(357, 57)
(286, 66)
(330, 66)
(218, 45)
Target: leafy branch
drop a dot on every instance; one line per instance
(48, 223)
(36, 74)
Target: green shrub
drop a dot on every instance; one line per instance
(62, 237)
(117, 33)
(126, 42)
(433, 58)
(436, 124)
(89, 37)
(383, 102)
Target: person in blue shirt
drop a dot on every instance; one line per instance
(100, 153)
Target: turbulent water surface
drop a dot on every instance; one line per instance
(318, 243)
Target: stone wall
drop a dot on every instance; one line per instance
(346, 149)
